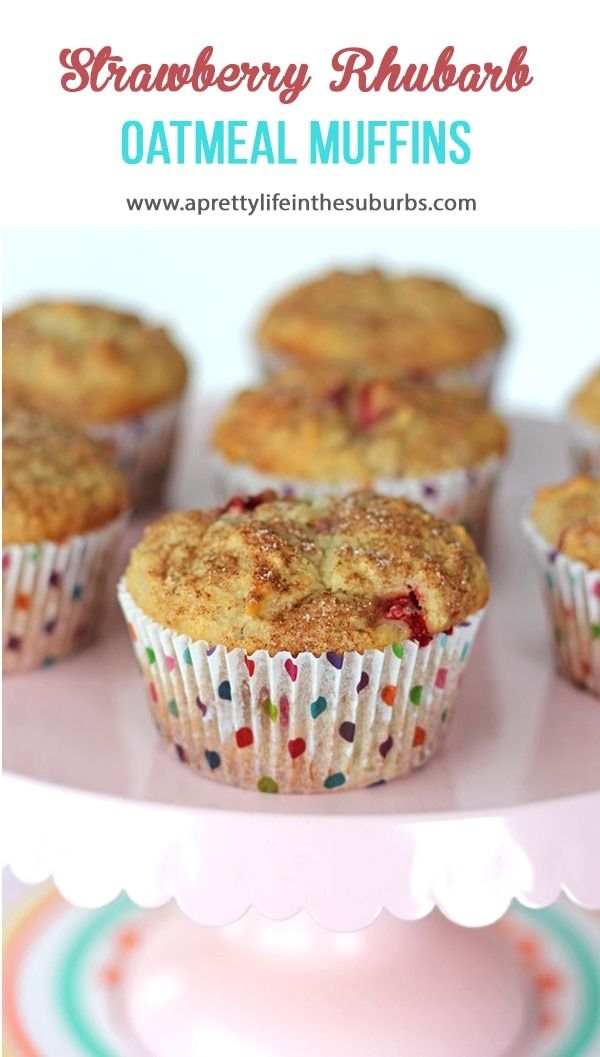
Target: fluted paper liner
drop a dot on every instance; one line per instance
(141, 447)
(571, 593)
(461, 495)
(51, 593)
(302, 724)
(584, 441)
(479, 374)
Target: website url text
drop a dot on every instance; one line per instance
(318, 203)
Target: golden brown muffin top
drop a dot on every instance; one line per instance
(89, 363)
(332, 574)
(325, 428)
(585, 403)
(372, 322)
(56, 481)
(568, 517)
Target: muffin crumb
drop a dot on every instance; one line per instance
(585, 403)
(89, 363)
(332, 574)
(568, 517)
(325, 427)
(56, 481)
(372, 323)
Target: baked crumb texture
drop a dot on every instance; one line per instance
(584, 426)
(57, 482)
(333, 574)
(585, 404)
(90, 363)
(563, 532)
(64, 514)
(324, 427)
(568, 517)
(372, 322)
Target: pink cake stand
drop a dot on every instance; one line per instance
(510, 809)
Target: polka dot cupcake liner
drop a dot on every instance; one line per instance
(479, 375)
(299, 724)
(571, 593)
(142, 447)
(584, 441)
(461, 495)
(51, 593)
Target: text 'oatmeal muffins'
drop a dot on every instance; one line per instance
(304, 645)
(307, 434)
(370, 322)
(105, 370)
(64, 506)
(584, 425)
(563, 531)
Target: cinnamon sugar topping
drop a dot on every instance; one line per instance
(333, 574)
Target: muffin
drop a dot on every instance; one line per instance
(563, 531)
(584, 425)
(64, 508)
(309, 435)
(371, 323)
(303, 645)
(106, 371)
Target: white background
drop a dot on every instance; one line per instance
(535, 152)
(210, 286)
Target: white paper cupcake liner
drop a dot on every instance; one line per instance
(461, 495)
(584, 440)
(571, 592)
(480, 374)
(51, 593)
(142, 447)
(299, 724)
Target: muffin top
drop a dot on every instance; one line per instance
(89, 363)
(372, 322)
(56, 481)
(333, 574)
(585, 403)
(321, 427)
(568, 517)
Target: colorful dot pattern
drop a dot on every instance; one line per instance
(51, 596)
(571, 593)
(243, 716)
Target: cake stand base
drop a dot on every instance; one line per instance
(264, 988)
